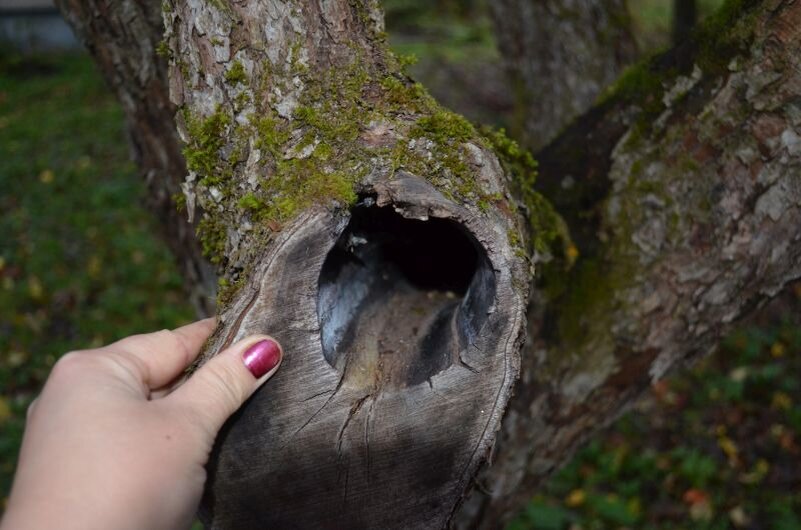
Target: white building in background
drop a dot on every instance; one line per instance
(34, 25)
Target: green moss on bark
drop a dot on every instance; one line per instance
(236, 74)
(203, 151)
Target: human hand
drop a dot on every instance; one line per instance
(111, 444)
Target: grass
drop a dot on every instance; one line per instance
(80, 265)
(716, 448)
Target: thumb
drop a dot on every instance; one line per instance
(219, 387)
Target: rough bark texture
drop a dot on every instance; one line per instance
(696, 224)
(559, 55)
(123, 39)
(374, 235)
(689, 225)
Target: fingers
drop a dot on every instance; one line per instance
(226, 381)
(160, 357)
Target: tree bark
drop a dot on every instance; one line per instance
(559, 55)
(374, 235)
(681, 194)
(686, 204)
(684, 17)
(123, 39)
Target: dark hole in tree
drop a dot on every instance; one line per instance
(399, 299)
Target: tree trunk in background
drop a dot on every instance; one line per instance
(681, 192)
(560, 55)
(684, 17)
(123, 38)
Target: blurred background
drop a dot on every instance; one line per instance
(81, 264)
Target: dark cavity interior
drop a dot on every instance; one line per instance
(399, 299)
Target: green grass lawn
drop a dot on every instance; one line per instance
(718, 447)
(79, 263)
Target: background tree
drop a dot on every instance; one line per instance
(684, 18)
(559, 56)
(656, 280)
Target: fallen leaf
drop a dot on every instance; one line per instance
(778, 350)
(781, 401)
(729, 448)
(575, 498)
(701, 511)
(46, 176)
(739, 374)
(17, 358)
(5, 410)
(35, 288)
(695, 496)
(757, 474)
(738, 517)
(94, 266)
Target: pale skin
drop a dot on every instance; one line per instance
(113, 442)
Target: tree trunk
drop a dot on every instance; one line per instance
(326, 178)
(683, 194)
(559, 55)
(374, 235)
(123, 39)
(684, 16)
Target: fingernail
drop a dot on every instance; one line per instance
(262, 357)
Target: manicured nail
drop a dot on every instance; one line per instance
(262, 357)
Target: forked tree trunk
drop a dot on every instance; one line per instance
(559, 56)
(376, 236)
(683, 196)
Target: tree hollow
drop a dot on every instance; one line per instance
(397, 298)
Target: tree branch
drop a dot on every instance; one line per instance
(698, 225)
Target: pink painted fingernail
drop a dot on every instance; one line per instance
(262, 357)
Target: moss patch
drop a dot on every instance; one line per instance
(347, 121)
(207, 138)
(236, 74)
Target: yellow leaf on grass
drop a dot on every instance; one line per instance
(729, 448)
(16, 358)
(94, 266)
(778, 350)
(575, 498)
(46, 176)
(35, 288)
(701, 511)
(5, 410)
(781, 401)
(738, 517)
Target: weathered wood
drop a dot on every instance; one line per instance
(391, 440)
